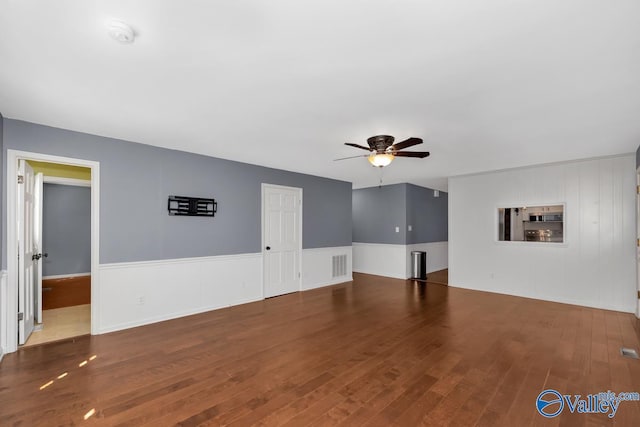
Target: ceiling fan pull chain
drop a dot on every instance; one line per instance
(381, 173)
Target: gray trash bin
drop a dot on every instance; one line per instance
(419, 265)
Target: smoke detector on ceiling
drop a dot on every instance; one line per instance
(121, 32)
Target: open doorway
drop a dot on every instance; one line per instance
(62, 232)
(30, 310)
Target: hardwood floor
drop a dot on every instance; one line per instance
(440, 277)
(374, 351)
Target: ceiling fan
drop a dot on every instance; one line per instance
(382, 150)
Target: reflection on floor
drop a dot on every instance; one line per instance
(61, 323)
(441, 277)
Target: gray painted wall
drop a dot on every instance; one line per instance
(427, 215)
(378, 210)
(66, 230)
(637, 157)
(136, 180)
(376, 213)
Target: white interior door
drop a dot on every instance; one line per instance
(26, 259)
(37, 243)
(281, 207)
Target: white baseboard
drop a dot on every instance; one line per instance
(139, 293)
(3, 313)
(317, 267)
(395, 260)
(560, 300)
(65, 276)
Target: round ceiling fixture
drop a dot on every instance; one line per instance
(121, 32)
(381, 160)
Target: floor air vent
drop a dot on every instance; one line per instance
(629, 352)
(339, 265)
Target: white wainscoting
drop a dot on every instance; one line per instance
(595, 267)
(380, 259)
(139, 293)
(437, 256)
(395, 260)
(317, 263)
(3, 313)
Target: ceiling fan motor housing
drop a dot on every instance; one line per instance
(380, 143)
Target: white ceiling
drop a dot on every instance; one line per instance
(488, 84)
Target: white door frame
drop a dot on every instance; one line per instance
(637, 293)
(264, 186)
(11, 305)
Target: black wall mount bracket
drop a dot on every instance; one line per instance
(191, 206)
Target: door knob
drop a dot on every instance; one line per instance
(268, 248)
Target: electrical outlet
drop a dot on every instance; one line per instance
(409, 228)
(397, 229)
(140, 300)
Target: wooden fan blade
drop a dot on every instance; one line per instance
(419, 154)
(357, 146)
(351, 157)
(406, 143)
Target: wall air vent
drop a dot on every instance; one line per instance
(339, 265)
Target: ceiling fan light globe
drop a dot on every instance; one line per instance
(380, 160)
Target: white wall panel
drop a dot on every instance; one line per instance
(139, 293)
(317, 267)
(595, 266)
(380, 259)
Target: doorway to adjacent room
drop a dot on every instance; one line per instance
(64, 304)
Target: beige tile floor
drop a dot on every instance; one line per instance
(61, 323)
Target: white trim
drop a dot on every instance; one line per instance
(263, 186)
(12, 249)
(65, 276)
(67, 181)
(144, 292)
(637, 294)
(570, 301)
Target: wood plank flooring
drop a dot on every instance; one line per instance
(375, 351)
(440, 277)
